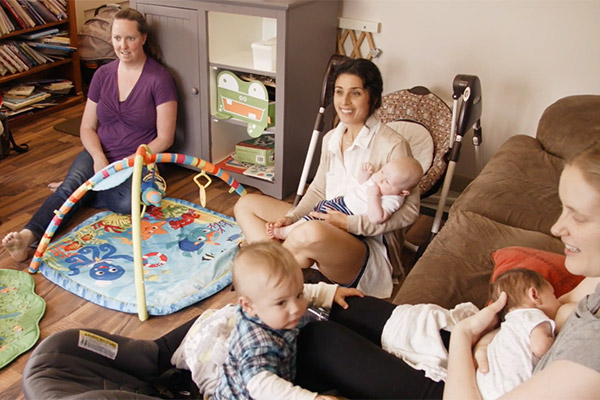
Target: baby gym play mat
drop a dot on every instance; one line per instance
(20, 312)
(187, 251)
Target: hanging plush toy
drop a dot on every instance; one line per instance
(153, 187)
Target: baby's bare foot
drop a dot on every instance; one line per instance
(269, 226)
(16, 245)
(279, 233)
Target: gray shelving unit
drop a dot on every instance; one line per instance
(199, 38)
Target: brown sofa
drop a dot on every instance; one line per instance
(513, 202)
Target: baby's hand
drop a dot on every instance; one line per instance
(365, 172)
(342, 292)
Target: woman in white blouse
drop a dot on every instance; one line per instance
(348, 250)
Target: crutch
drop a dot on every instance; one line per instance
(466, 114)
(334, 60)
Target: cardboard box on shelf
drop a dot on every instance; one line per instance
(259, 151)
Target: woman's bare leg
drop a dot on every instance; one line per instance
(253, 211)
(338, 254)
(17, 244)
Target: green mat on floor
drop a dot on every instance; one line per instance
(20, 313)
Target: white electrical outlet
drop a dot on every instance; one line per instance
(359, 25)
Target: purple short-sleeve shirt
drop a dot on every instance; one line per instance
(123, 126)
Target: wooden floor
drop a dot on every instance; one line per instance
(23, 181)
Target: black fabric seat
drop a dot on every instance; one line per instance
(60, 369)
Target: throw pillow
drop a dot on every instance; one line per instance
(550, 265)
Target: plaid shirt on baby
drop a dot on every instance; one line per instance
(255, 348)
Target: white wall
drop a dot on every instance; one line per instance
(527, 54)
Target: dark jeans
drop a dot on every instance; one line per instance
(117, 199)
(345, 354)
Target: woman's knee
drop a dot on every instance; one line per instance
(246, 205)
(117, 200)
(80, 171)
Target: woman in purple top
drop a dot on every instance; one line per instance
(131, 101)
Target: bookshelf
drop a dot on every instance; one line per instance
(202, 38)
(67, 68)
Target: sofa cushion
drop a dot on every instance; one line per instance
(570, 125)
(549, 264)
(457, 265)
(517, 187)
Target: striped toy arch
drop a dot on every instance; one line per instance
(142, 157)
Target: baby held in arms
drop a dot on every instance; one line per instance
(378, 196)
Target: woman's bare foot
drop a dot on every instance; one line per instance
(17, 244)
(54, 185)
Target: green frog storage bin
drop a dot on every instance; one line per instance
(246, 101)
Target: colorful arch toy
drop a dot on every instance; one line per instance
(142, 157)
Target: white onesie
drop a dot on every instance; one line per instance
(509, 353)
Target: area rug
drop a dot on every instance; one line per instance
(20, 313)
(187, 255)
(70, 126)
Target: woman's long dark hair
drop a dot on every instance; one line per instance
(151, 48)
(368, 72)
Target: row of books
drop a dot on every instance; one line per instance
(21, 54)
(24, 14)
(17, 57)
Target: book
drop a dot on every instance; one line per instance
(37, 18)
(13, 14)
(15, 104)
(7, 64)
(54, 10)
(49, 46)
(43, 11)
(5, 23)
(10, 59)
(62, 87)
(264, 172)
(17, 51)
(39, 57)
(21, 66)
(39, 34)
(61, 6)
(19, 91)
(231, 164)
(9, 113)
(22, 13)
(24, 16)
(57, 40)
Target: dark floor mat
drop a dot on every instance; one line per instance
(70, 126)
